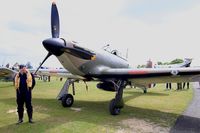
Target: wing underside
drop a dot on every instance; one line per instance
(6, 72)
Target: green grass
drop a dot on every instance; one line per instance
(157, 106)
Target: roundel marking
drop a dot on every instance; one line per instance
(174, 72)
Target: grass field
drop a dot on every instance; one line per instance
(158, 109)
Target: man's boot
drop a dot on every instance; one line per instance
(20, 115)
(30, 120)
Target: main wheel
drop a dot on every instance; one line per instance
(67, 100)
(113, 109)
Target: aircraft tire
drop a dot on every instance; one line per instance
(113, 109)
(67, 100)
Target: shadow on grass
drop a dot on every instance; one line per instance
(92, 112)
(147, 94)
(137, 94)
(186, 124)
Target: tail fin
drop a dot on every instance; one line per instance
(187, 62)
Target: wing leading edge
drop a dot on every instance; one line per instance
(152, 75)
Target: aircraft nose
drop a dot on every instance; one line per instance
(54, 46)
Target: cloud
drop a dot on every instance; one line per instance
(154, 10)
(160, 31)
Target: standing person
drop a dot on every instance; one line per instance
(179, 86)
(188, 85)
(24, 85)
(169, 86)
(183, 85)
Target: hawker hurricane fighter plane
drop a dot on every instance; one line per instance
(111, 71)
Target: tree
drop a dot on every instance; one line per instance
(176, 61)
(159, 63)
(141, 66)
(28, 65)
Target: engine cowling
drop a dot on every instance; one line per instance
(107, 86)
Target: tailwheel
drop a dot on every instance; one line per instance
(114, 110)
(67, 100)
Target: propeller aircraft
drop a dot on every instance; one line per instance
(111, 71)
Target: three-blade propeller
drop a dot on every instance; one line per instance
(57, 46)
(55, 29)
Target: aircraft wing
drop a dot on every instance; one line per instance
(143, 77)
(60, 73)
(7, 73)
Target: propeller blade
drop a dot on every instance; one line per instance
(48, 55)
(55, 24)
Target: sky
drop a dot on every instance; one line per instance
(160, 30)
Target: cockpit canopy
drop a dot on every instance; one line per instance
(113, 51)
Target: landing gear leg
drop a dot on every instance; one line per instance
(66, 99)
(117, 103)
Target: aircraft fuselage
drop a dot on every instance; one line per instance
(103, 60)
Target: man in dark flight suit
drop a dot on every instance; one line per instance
(23, 85)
